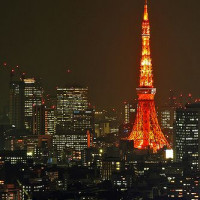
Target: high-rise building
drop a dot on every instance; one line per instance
(168, 112)
(187, 135)
(16, 104)
(167, 115)
(71, 103)
(44, 120)
(146, 131)
(38, 119)
(167, 119)
(50, 121)
(32, 96)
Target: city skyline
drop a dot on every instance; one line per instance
(78, 114)
(98, 42)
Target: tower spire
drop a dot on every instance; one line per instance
(146, 74)
(145, 11)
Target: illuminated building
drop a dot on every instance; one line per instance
(50, 121)
(168, 113)
(167, 117)
(59, 143)
(111, 162)
(77, 141)
(100, 115)
(146, 131)
(16, 104)
(109, 166)
(106, 123)
(32, 145)
(13, 157)
(33, 96)
(45, 144)
(102, 124)
(74, 141)
(92, 157)
(123, 179)
(187, 135)
(45, 141)
(69, 101)
(37, 185)
(44, 120)
(184, 187)
(10, 192)
(83, 120)
(102, 128)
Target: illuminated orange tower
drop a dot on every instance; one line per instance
(146, 131)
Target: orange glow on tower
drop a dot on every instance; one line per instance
(146, 75)
(146, 131)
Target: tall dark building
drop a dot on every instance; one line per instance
(16, 104)
(44, 120)
(187, 135)
(83, 120)
(39, 120)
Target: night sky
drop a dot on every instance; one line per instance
(100, 42)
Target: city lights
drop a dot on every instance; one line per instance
(75, 130)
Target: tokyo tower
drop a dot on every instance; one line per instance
(146, 131)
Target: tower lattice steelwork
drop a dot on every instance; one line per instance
(146, 131)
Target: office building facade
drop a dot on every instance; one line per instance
(187, 135)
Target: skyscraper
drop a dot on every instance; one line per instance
(32, 96)
(146, 131)
(44, 120)
(39, 119)
(50, 121)
(16, 104)
(168, 112)
(71, 101)
(187, 134)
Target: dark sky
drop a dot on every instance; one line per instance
(99, 40)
